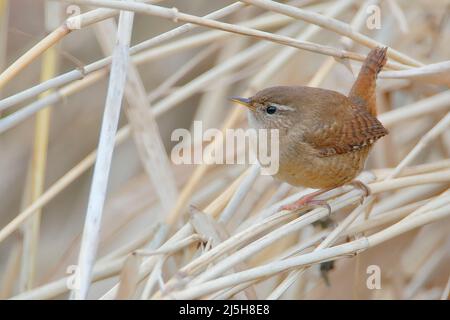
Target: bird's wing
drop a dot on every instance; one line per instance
(355, 129)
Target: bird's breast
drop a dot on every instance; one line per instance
(305, 168)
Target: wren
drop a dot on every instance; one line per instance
(324, 136)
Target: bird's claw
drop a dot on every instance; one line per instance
(301, 203)
(363, 187)
(321, 203)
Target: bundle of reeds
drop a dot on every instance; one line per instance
(138, 226)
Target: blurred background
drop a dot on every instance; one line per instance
(421, 29)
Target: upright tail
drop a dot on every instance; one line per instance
(362, 93)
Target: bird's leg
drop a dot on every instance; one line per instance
(308, 200)
(361, 186)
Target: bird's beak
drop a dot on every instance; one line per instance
(243, 101)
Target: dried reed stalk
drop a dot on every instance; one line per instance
(49, 41)
(39, 163)
(77, 74)
(39, 160)
(4, 18)
(73, 23)
(145, 129)
(175, 15)
(119, 68)
(331, 24)
(249, 250)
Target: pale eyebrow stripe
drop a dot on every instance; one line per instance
(283, 107)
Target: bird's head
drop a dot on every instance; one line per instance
(271, 108)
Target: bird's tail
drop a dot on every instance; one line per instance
(375, 61)
(362, 93)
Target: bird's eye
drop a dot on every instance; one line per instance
(271, 109)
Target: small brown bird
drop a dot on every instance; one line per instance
(325, 137)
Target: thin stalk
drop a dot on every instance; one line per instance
(39, 163)
(175, 15)
(4, 19)
(102, 167)
(73, 23)
(335, 25)
(146, 133)
(80, 73)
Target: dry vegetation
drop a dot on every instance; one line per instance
(140, 227)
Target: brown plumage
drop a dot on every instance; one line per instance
(325, 136)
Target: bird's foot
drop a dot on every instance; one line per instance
(361, 186)
(308, 201)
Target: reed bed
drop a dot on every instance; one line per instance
(94, 208)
